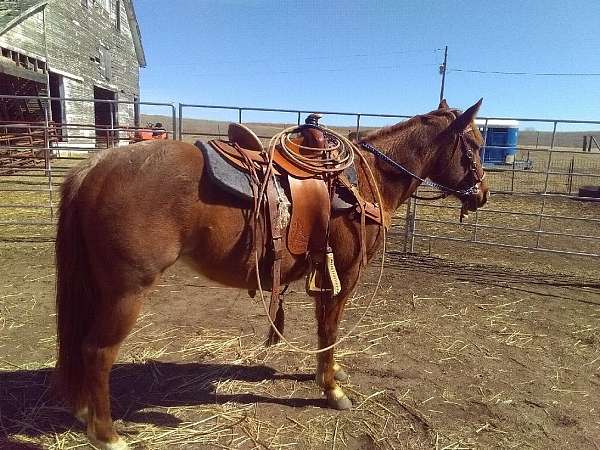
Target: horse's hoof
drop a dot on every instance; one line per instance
(336, 399)
(119, 444)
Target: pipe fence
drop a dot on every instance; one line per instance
(534, 206)
(37, 150)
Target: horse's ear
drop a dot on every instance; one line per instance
(443, 104)
(465, 119)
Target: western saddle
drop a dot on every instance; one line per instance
(306, 168)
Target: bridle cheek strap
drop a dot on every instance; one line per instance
(475, 169)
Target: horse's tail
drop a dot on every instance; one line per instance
(74, 290)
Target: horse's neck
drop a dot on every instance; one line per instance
(394, 186)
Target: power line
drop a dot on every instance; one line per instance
(299, 59)
(535, 74)
(300, 71)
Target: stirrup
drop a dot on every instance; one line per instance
(334, 280)
(312, 288)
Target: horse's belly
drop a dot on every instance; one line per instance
(243, 274)
(229, 272)
(225, 254)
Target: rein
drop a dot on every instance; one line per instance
(445, 189)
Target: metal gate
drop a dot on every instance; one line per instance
(534, 207)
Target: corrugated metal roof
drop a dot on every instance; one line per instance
(8, 11)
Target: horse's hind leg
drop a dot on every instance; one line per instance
(112, 322)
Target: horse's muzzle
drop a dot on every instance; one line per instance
(474, 201)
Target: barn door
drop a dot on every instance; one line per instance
(105, 117)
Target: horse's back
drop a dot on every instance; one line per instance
(145, 165)
(141, 178)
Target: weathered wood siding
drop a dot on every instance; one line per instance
(73, 36)
(27, 37)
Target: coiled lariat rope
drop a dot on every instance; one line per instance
(334, 159)
(318, 163)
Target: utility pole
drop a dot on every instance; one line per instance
(443, 72)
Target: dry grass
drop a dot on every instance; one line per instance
(214, 403)
(452, 364)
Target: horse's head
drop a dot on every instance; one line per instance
(458, 160)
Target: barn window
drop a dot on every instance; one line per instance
(104, 62)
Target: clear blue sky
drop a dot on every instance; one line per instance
(374, 56)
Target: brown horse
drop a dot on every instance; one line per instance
(128, 214)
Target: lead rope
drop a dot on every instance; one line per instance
(373, 184)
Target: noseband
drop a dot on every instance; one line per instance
(475, 169)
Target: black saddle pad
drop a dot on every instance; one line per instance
(225, 174)
(238, 182)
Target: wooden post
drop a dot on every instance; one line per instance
(584, 143)
(571, 170)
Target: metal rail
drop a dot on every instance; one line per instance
(27, 194)
(511, 246)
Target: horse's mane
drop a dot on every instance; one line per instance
(435, 115)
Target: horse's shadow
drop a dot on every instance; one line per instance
(29, 407)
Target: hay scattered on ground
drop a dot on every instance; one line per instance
(195, 387)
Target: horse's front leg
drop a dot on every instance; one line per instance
(329, 312)
(339, 373)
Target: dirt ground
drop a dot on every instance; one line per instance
(451, 355)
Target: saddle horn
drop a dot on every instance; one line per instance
(313, 119)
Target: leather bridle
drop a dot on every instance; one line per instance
(475, 169)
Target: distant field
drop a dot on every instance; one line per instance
(527, 138)
(571, 139)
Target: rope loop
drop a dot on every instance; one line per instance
(347, 150)
(331, 161)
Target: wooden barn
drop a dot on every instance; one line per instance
(78, 49)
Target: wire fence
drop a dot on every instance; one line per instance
(533, 207)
